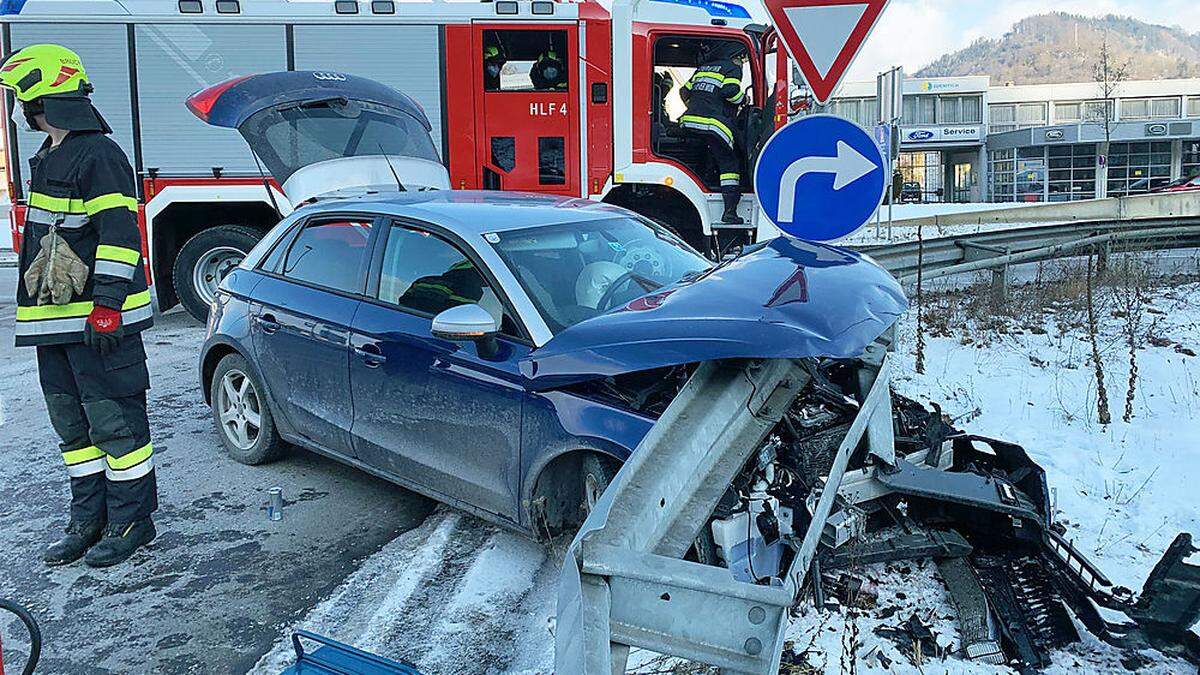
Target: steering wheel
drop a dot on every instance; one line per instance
(603, 304)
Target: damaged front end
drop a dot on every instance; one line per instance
(841, 472)
(779, 441)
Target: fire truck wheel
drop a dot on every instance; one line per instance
(205, 259)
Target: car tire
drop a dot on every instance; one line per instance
(238, 399)
(203, 262)
(597, 473)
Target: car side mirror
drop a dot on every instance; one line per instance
(468, 323)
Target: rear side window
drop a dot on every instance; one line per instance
(329, 253)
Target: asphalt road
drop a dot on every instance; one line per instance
(221, 582)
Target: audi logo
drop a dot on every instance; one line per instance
(330, 77)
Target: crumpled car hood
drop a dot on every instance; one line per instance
(786, 298)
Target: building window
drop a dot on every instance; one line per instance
(1000, 175)
(1134, 168)
(861, 111)
(1009, 116)
(1030, 181)
(951, 110)
(1150, 108)
(1193, 106)
(1191, 158)
(1067, 112)
(959, 110)
(1072, 172)
(1031, 115)
(925, 169)
(972, 109)
(920, 110)
(1003, 118)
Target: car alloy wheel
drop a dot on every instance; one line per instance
(240, 409)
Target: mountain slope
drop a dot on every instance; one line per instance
(1060, 47)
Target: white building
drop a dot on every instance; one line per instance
(964, 140)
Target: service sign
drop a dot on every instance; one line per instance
(941, 134)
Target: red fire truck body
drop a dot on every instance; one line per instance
(607, 131)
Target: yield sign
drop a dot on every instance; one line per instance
(824, 36)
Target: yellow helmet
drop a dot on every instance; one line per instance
(44, 70)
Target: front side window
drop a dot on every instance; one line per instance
(329, 253)
(575, 271)
(426, 274)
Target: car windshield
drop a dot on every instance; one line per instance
(288, 139)
(575, 271)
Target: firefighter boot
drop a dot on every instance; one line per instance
(120, 541)
(80, 536)
(731, 217)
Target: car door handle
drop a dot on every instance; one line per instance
(370, 354)
(268, 323)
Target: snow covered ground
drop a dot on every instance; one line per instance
(1124, 490)
(458, 596)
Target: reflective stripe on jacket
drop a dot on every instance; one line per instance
(84, 188)
(712, 94)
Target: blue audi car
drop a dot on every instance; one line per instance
(499, 352)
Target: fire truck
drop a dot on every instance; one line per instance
(603, 126)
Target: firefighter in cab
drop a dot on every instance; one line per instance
(82, 302)
(713, 96)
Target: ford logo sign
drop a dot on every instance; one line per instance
(920, 135)
(1054, 135)
(1156, 129)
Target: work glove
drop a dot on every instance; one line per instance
(56, 274)
(103, 330)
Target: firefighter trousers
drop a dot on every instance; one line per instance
(729, 167)
(97, 404)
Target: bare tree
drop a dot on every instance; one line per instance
(1097, 364)
(1108, 73)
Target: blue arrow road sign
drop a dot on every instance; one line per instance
(820, 177)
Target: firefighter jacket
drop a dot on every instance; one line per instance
(84, 188)
(712, 96)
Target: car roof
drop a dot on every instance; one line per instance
(475, 212)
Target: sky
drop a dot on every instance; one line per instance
(913, 33)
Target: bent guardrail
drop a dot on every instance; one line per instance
(624, 583)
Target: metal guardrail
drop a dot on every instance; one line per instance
(623, 582)
(1028, 244)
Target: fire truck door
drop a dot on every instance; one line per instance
(527, 89)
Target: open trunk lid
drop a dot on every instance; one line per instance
(321, 133)
(785, 298)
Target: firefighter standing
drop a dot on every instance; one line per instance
(713, 95)
(82, 300)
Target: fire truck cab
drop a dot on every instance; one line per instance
(566, 98)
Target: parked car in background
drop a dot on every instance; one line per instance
(910, 192)
(1181, 185)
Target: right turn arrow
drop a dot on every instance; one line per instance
(848, 166)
